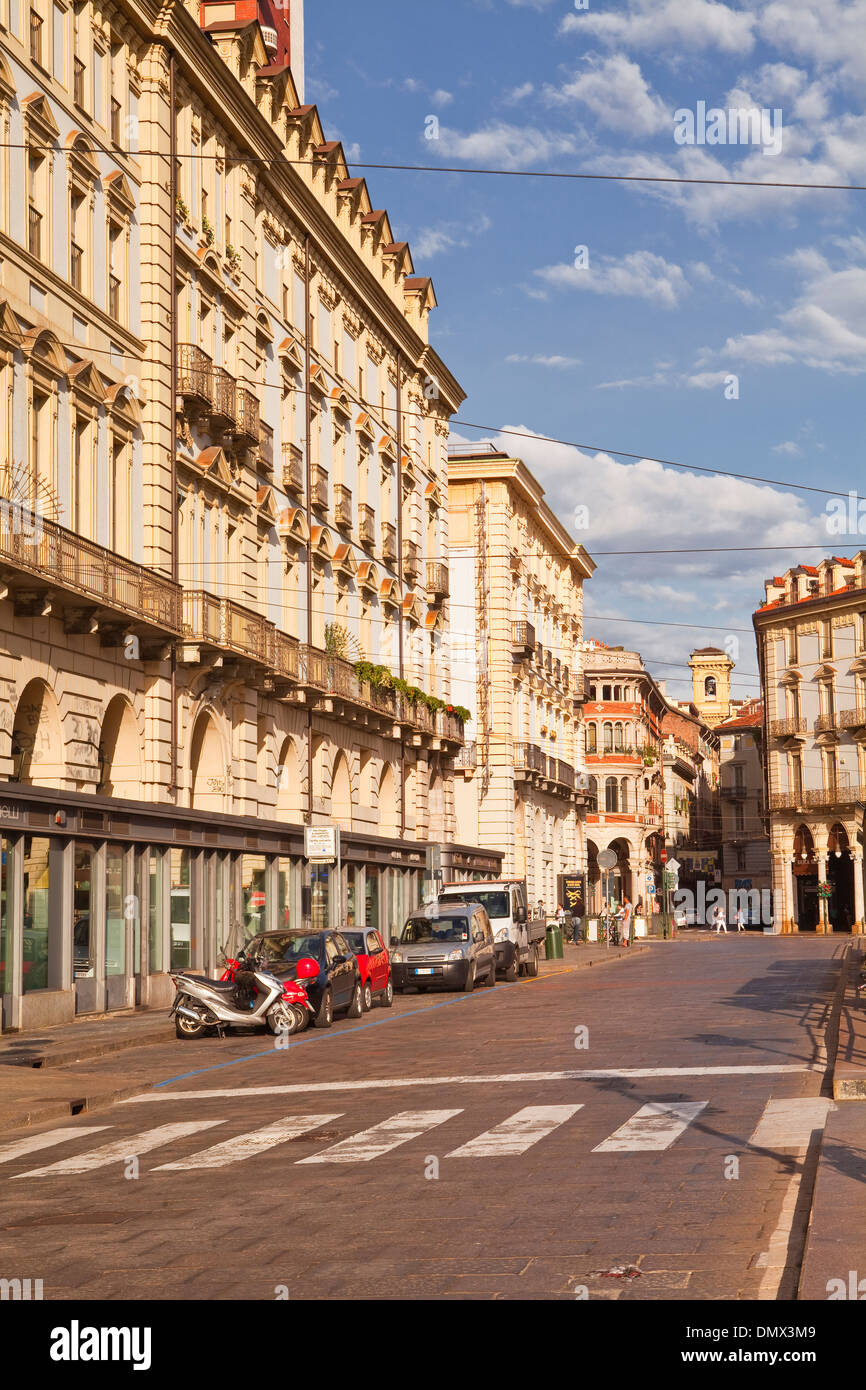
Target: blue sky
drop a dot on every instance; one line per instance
(685, 285)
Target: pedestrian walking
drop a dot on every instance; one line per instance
(625, 914)
(719, 920)
(575, 929)
(738, 919)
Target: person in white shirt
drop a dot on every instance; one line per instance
(738, 919)
(719, 919)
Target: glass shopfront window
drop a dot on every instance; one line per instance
(352, 880)
(371, 900)
(115, 922)
(154, 920)
(181, 928)
(286, 872)
(320, 882)
(253, 889)
(5, 917)
(83, 912)
(37, 880)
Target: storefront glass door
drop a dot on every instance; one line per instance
(117, 966)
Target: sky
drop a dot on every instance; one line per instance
(718, 326)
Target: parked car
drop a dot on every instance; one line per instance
(374, 961)
(516, 934)
(336, 988)
(448, 945)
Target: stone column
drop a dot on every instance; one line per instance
(823, 924)
(857, 925)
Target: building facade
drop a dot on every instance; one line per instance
(811, 635)
(516, 641)
(623, 732)
(745, 833)
(223, 519)
(692, 814)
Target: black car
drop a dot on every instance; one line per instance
(336, 988)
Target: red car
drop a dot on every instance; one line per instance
(374, 963)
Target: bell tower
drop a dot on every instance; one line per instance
(711, 683)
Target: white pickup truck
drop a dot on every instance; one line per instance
(515, 935)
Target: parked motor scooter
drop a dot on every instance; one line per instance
(246, 996)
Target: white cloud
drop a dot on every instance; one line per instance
(520, 93)
(502, 145)
(441, 97)
(531, 4)
(668, 25)
(446, 236)
(828, 35)
(656, 379)
(641, 274)
(539, 360)
(824, 328)
(706, 381)
(787, 447)
(616, 92)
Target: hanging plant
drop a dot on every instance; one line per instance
(181, 209)
(207, 231)
(459, 711)
(336, 640)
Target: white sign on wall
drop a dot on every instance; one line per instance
(322, 843)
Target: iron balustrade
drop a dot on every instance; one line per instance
(293, 468)
(366, 525)
(437, 579)
(784, 728)
(389, 542)
(247, 415)
(194, 373)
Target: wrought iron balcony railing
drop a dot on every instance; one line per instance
(522, 638)
(784, 728)
(194, 374)
(293, 469)
(343, 507)
(247, 415)
(437, 579)
(366, 525)
(389, 542)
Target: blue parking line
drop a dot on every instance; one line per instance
(377, 1023)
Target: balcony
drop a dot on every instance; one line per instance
(437, 579)
(49, 568)
(411, 560)
(852, 719)
(266, 448)
(227, 626)
(817, 797)
(320, 488)
(293, 469)
(826, 723)
(557, 671)
(528, 758)
(35, 38)
(566, 679)
(246, 416)
(389, 542)
(286, 657)
(522, 640)
(222, 396)
(786, 728)
(735, 792)
(467, 758)
(578, 686)
(194, 374)
(343, 507)
(548, 662)
(366, 526)
(449, 727)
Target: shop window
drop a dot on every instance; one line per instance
(83, 925)
(154, 920)
(371, 898)
(115, 922)
(181, 929)
(320, 884)
(37, 882)
(5, 919)
(352, 878)
(285, 884)
(253, 877)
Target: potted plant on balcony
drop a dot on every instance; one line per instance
(182, 212)
(233, 260)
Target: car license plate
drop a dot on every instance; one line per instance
(427, 970)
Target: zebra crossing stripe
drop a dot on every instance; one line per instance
(34, 1142)
(518, 1133)
(653, 1127)
(789, 1124)
(119, 1149)
(246, 1145)
(370, 1143)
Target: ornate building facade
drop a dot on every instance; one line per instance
(223, 520)
(516, 637)
(811, 635)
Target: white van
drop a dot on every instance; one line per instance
(515, 937)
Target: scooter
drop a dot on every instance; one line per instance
(246, 996)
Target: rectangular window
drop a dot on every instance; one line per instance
(179, 862)
(5, 917)
(37, 892)
(59, 37)
(154, 924)
(36, 26)
(253, 888)
(115, 922)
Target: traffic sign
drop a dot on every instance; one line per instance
(606, 858)
(673, 866)
(664, 855)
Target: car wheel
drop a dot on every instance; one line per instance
(470, 979)
(325, 1017)
(532, 963)
(490, 978)
(513, 970)
(367, 997)
(356, 1008)
(386, 999)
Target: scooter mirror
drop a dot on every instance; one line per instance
(306, 968)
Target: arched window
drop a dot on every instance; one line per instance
(591, 738)
(611, 794)
(710, 686)
(623, 794)
(617, 737)
(605, 692)
(608, 738)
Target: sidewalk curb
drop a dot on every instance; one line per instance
(41, 1058)
(72, 1107)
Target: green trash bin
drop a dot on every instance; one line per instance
(553, 943)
